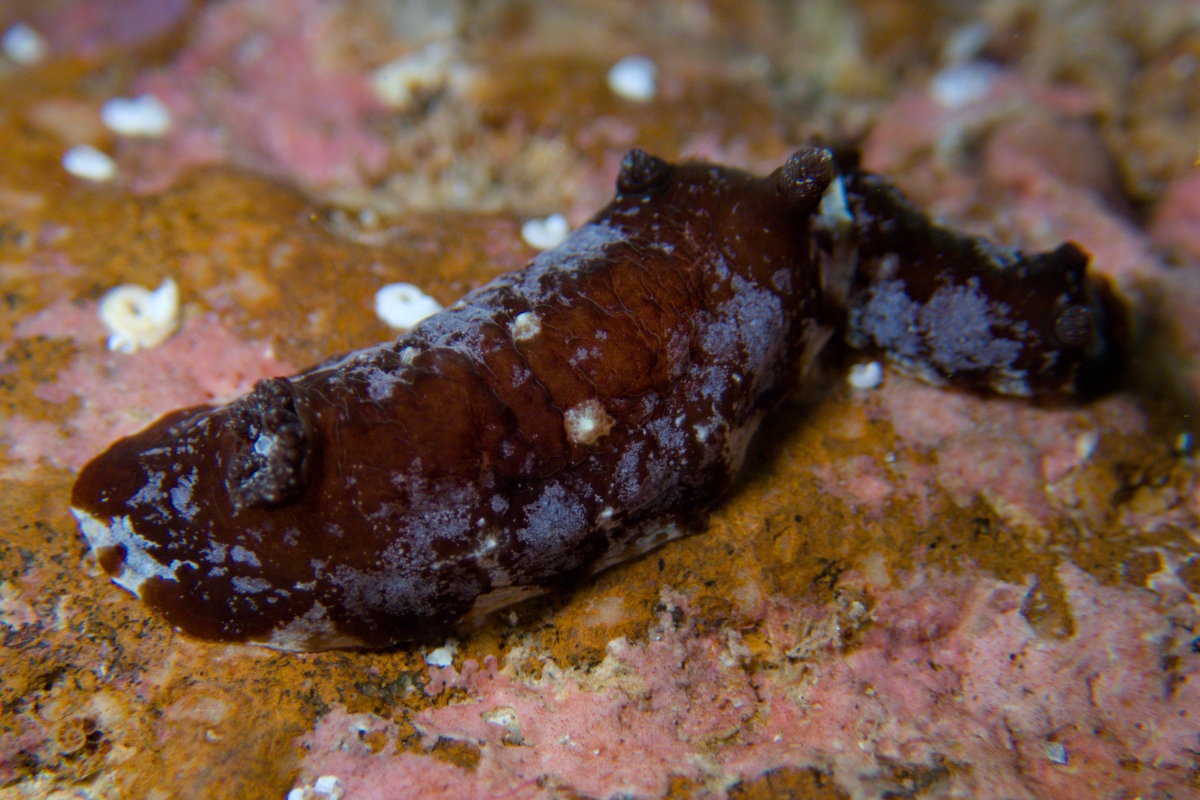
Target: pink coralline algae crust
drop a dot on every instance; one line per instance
(120, 393)
(950, 678)
(260, 88)
(88, 27)
(1176, 222)
(1006, 452)
(1032, 138)
(860, 481)
(998, 449)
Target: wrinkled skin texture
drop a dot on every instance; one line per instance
(567, 416)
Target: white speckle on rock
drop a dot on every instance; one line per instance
(526, 326)
(962, 84)
(506, 718)
(587, 422)
(326, 787)
(547, 233)
(85, 161)
(633, 78)
(23, 44)
(1056, 753)
(145, 116)
(397, 83)
(137, 318)
(866, 376)
(402, 305)
(1086, 444)
(442, 656)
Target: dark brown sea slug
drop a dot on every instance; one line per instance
(568, 416)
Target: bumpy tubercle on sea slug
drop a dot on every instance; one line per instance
(570, 415)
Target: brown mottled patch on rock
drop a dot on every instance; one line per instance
(789, 783)
(28, 363)
(463, 755)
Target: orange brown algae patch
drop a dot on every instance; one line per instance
(795, 784)
(26, 364)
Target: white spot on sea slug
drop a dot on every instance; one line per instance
(402, 305)
(526, 326)
(244, 556)
(547, 233)
(250, 585)
(633, 78)
(442, 656)
(587, 422)
(312, 631)
(181, 497)
(137, 318)
(834, 209)
(23, 44)
(150, 492)
(144, 116)
(866, 376)
(138, 564)
(85, 161)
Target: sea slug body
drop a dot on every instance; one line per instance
(567, 416)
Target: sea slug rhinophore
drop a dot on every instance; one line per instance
(570, 415)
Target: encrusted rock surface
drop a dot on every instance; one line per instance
(910, 592)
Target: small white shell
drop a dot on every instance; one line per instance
(633, 78)
(85, 161)
(142, 116)
(547, 233)
(963, 84)
(866, 376)
(402, 305)
(137, 318)
(23, 44)
(526, 326)
(442, 656)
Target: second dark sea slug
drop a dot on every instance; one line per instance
(571, 415)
